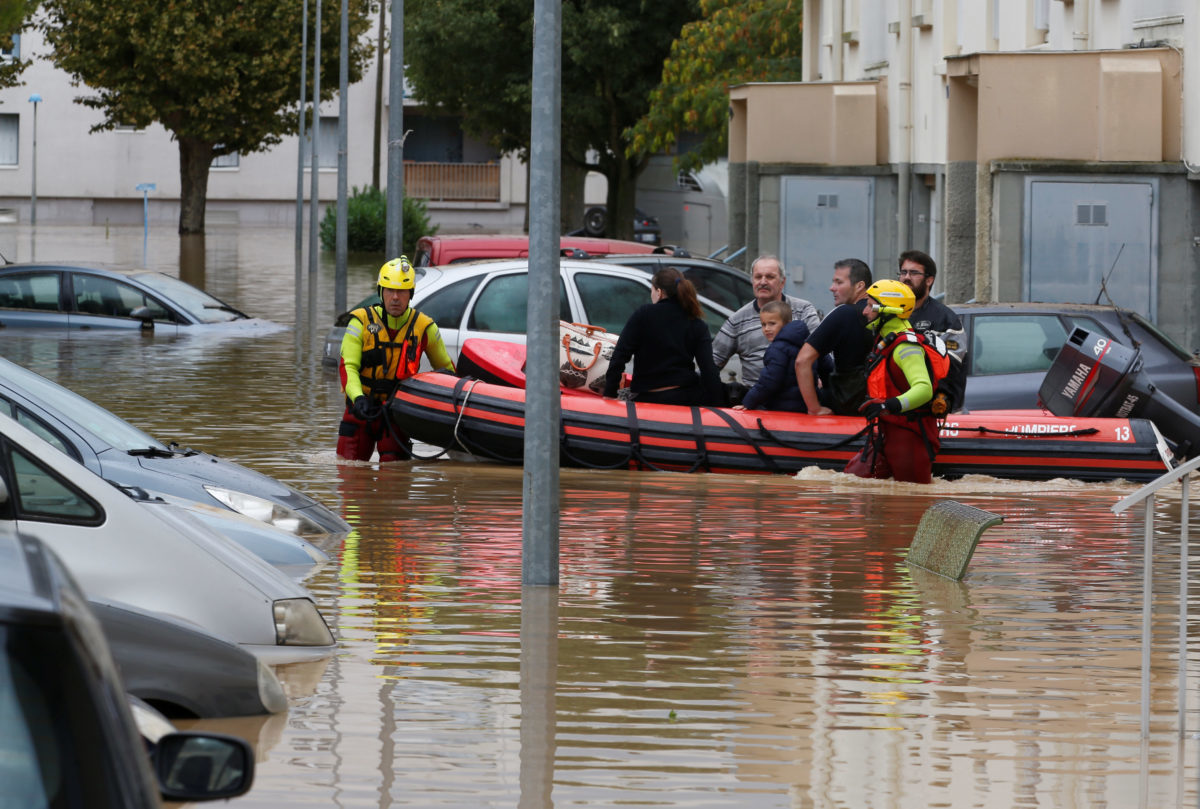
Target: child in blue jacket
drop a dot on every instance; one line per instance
(777, 388)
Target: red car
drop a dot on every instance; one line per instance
(441, 250)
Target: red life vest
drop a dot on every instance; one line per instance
(886, 379)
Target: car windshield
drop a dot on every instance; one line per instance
(1170, 344)
(197, 303)
(113, 430)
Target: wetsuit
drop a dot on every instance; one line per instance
(905, 367)
(379, 350)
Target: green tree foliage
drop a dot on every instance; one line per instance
(222, 76)
(366, 223)
(474, 58)
(13, 16)
(736, 41)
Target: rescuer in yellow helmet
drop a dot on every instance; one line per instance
(903, 371)
(383, 344)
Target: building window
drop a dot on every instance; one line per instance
(226, 161)
(9, 129)
(13, 51)
(327, 142)
(1089, 214)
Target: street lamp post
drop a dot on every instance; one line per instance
(35, 98)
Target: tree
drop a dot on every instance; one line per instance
(13, 16)
(735, 42)
(474, 59)
(222, 76)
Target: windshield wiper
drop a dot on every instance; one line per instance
(226, 308)
(153, 452)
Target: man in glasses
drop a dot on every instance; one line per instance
(918, 271)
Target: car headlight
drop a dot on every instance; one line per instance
(282, 517)
(270, 690)
(299, 623)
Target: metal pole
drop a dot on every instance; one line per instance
(343, 206)
(1147, 608)
(1183, 606)
(145, 188)
(314, 192)
(539, 526)
(395, 172)
(301, 144)
(35, 98)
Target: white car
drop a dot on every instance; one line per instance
(489, 299)
(154, 555)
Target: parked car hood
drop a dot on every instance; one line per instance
(209, 469)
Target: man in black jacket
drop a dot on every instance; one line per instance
(918, 271)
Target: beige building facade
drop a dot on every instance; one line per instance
(85, 177)
(1035, 148)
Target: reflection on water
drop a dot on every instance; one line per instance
(715, 641)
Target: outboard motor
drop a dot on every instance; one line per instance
(1094, 376)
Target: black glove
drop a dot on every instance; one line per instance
(871, 408)
(363, 409)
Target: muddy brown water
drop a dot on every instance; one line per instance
(716, 641)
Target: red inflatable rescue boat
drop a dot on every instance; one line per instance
(487, 420)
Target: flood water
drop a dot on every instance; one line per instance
(716, 641)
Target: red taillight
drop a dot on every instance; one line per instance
(1196, 373)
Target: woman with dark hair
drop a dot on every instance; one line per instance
(667, 338)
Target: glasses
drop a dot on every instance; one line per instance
(912, 273)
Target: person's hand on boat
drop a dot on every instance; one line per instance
(824, 411)
(738, 407)
(872, 408)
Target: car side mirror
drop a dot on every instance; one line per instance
(143, 314)
(195, 766)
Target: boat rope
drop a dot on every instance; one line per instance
(460, 436)
(406, 443)
(564, 447)
(701, 446)
(745, 436)
(821, 448)
(1019, 434)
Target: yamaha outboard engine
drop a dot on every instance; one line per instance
(1094, 376)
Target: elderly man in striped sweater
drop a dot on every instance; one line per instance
(742, 333)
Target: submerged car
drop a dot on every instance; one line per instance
(1011, 345)
(73, 297)
(183, 671)
(489, 299)
(116, 450)
(67, 737)
(154, 555)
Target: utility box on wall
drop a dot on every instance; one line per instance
(823, 220)
(1081, 232)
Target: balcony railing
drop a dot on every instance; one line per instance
(453, 182)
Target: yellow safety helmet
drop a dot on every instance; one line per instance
(398, 274)
(893, 297)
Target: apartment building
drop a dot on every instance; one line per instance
(1035, 148)
(83, 177)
